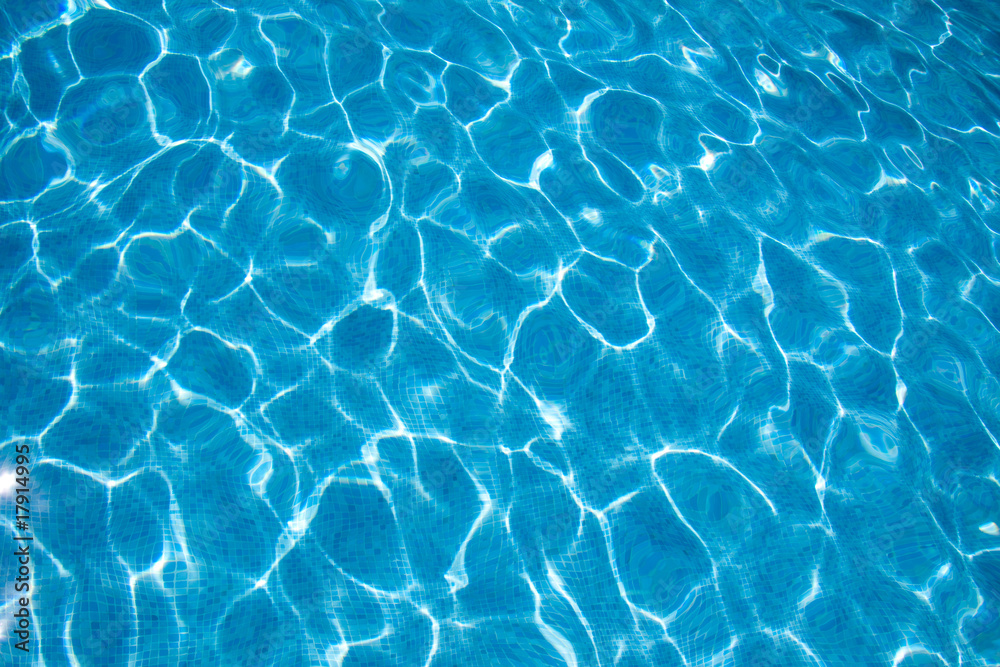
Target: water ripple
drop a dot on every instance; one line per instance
(535, 333)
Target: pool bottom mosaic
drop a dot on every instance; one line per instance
(524, 333)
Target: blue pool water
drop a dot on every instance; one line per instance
(503, 333)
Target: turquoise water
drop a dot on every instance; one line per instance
(507, 333)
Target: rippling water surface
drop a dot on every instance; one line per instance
(502, 333)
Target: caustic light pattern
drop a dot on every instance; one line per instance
(568, 333)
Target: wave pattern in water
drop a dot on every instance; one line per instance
(527, 333)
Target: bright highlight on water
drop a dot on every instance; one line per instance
(440, 334)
